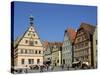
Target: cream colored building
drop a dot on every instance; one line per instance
(28, 49)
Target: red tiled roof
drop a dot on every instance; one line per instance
(47, 44)
(89, 29)
(71, 33)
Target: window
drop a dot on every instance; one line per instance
(78, 40)
(28, 34)
(79, 32)
(26, 41)
(33, 34)
(86, 43)
(75, 46)
(32, 61)
(96, 42)
(33, 51)
(86, 57)
(36, 52)
(85, 36)
(31, 43)
(31, 28)
(63, 61)
(25, 51)
(30, 51)
(48, 58)
(57, 61)
(22, 51)
(36, 42)
(39, 52)
(82, 37)
(80, 45)
(22, 61)
(38, 61)
(29, 61)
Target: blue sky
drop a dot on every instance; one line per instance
(51, 20)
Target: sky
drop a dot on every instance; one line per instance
(51, 20)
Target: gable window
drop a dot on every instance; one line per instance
(31, 43)
(36, 42)
(31, 28)
(29, 34)
(33, 34)
(26, 41)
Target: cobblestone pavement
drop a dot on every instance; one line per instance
(51, 70)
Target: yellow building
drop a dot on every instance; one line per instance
(28, 49)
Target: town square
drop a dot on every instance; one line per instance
(38, 47)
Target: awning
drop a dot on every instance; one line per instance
(75, 62)
(17, 67)
(85, 63)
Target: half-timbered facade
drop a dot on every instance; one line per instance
(83, 44)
